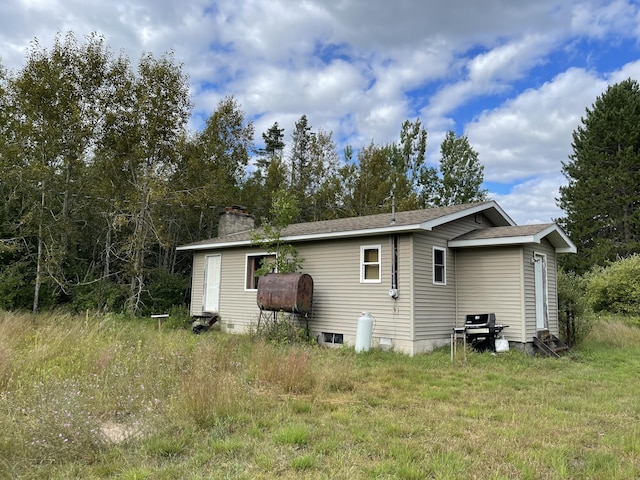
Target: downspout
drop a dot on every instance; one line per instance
(394, 262)
(455, 272)
(394, 252)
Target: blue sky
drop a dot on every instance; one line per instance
(514, 76)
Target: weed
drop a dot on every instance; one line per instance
(287, 368)
(167, 444)
(209, 393)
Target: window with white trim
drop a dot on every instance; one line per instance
(254, 263)
(370, 265)
(439, 266)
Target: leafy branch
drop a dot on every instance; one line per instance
(269, 237)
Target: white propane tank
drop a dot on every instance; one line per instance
(364, 333)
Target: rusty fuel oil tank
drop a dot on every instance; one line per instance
(287, 292)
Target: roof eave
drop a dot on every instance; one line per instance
(491, 242)
(318, 236)
(557, 238)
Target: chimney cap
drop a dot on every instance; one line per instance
(236, 209)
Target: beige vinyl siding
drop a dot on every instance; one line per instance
(238, 309)
(460, 227)
(490, 280)
(552, 289)
(339, 297)
(434, 306)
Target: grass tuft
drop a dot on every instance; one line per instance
(297, 435)
(284, 367)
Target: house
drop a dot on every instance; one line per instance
(418, 273)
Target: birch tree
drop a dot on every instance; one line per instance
(55, 104)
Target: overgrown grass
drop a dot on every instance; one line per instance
(103, 397)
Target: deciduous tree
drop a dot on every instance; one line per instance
(461, 172)
(56, 104)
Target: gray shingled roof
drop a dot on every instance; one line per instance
(516, 235)
(404, 221)
(505, 232)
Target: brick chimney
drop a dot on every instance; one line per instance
(234, 219)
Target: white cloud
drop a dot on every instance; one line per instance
(532, 201)
(360, 68)
(600, 19)
(532, 133)
(630, 70)
(509, 61)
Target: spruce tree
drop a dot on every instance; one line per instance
(602, 196)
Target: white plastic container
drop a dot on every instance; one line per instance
(502, 345)
(364, 333)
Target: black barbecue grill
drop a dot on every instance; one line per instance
(481, 331)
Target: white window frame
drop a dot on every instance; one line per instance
(443, 265)
(249, 256)
(364, 264)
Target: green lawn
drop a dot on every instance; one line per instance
(107, 397)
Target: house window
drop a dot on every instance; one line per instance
(254, 263)
(439, 266)
(335, 338)
(370, 264)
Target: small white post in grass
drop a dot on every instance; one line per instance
(159, 316)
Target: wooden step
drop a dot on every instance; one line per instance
(550, 344)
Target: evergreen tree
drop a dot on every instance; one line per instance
(322, 199)
(602, 199)
(299, 157)
(273, 147)
(269, 175)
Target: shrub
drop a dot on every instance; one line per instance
(615, 288)
(105, 296)
(574, 325)
(16, 286)
(164, 290)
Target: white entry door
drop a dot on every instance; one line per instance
(211, 300)
(540, 269)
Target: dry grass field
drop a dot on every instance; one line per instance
(112, 397)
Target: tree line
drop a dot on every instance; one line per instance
(101, 178)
